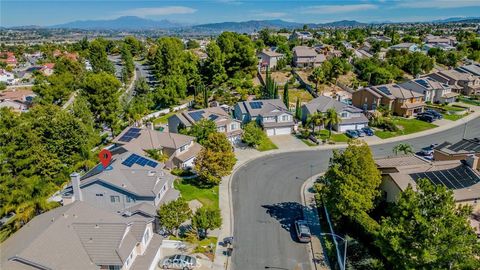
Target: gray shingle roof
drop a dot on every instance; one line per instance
(323, 103)
(269, 107)
(153, 139)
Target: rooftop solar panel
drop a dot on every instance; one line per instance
(136, 159)
(196, 116)
(213, 117)
(384, 90)
(256, 104)
(130, 134)
(423, 83)
(455, 178)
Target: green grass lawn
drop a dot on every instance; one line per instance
(336, 137)
(163, 119)
(190, 190)
(266, 144)
(407, 126)
(453, 117)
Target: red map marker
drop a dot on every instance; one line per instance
(105, 156)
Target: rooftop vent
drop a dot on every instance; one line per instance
(151, 173)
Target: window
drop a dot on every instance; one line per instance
(113, 267)
(183, 148)
(130, 199)
(146, 236)
(114, 199)
(285, 118)
(344, 114)
(233, 126)
(99, 195)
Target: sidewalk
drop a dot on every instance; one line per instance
(246, 155)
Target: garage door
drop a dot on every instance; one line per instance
(359, 126)
(283, 131)
(344, 128)
(270, 132)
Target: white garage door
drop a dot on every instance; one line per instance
(359, 126)
(344, 128)
(270, 131)
(283, 131)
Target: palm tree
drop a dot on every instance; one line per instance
(404, 148)
(315, 120)
(318, 76)
(332, 119)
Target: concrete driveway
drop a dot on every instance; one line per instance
(288, 142)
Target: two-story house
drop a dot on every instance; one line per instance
(465, 82)
(433, 90)
(271, 114)
(269, 59)
(473, 69)
(400, 101)
(412, 47)
(130, 184)
(352, 117)
(179, 150)
(301, 35)
(223, 120)
(82, 236)
(304, 56)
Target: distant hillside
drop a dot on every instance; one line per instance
(247, 27)
(343, 23)
(121, 23)
(459, 19)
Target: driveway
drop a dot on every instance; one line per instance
(288, 142)
(266, 200)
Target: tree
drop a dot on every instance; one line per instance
(98, 57)
(286, 98)
(270, 90)
(101, 91)
(426, 229)
(192, 44)
(298, 110)
(314, 120)
(404, 148)
(206, 219)
(238, 51)
(332, 119)
(201, 130)
(351, 184)
(318, 76)
(173, 214)
(214, 70)
(253, 135)
(216, 159)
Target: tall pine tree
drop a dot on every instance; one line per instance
(286, 98)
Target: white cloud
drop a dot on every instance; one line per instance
(271, 14)
(159, 11)
(439, 4)
(329, 9)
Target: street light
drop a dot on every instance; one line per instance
(342, 265)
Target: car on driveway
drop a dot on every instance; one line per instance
(183, 262)
(368, 131)
(426, 117)
(434, 113)
(352, 133)
(360, 133)
(303, 231)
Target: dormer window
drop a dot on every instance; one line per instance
(183, 148)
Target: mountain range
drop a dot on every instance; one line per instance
(137, 23)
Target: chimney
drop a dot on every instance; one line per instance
(472, 161)
(77, 192)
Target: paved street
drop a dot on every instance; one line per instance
(266, 200)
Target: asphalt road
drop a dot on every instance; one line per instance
(266, 201)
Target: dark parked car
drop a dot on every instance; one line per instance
(352, 133)
(435, 114)
(426, 117)
(368, 131)
(360, 133)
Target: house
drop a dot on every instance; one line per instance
(473, 69)
(431, 39)
(412, 47)
(47, 69)
(362, 53)
(301, 35)
(6, 77)
(269, 59)
(459, 176)
(223, 120)
(82, 236)
(400, 101)
(441, 46)
(352, 118)
(304, 56)
(460, 150)
(18, 100)
(129, 183)
(180, 150)
(380, 39)
(460, 80)
(434, 91)
(271, 114)
(8, 58)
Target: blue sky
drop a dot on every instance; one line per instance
(40, 12)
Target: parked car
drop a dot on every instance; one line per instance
(183, 262)
(303, 231)
(426, 117)
(352, 133)
(436, 114)
(360, 133)
(426, 151)
(368, 131)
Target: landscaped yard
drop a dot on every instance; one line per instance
(189, 190)
(336, 137)
(445, 109)
(266, 144)
(295, 93)
(406, 126)
(163, 119)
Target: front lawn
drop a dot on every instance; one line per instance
(336, 137)
(163, 119)
(191, 190)
(406, 126)
(453, 117)
(266, 144)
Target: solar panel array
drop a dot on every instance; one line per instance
(455, 178)
(384, 90)
(130, 135)
(423, 83)
(256, 104)
(466, 145)
(196, 116)
(136, 159)
(213, 117)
